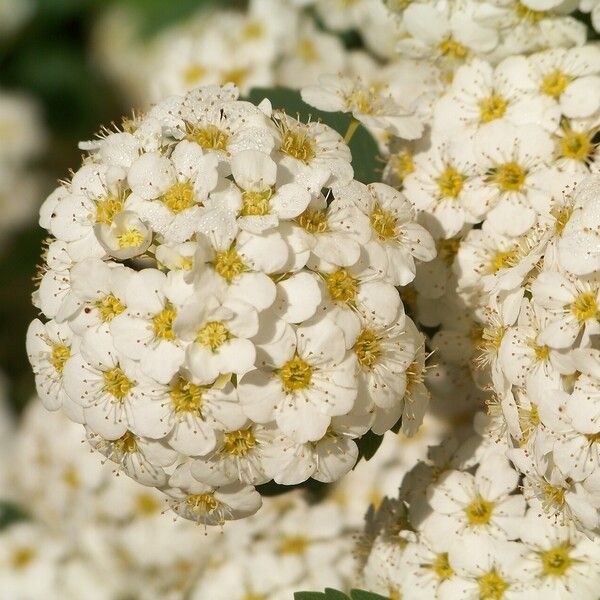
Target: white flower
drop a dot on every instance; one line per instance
(310, 381)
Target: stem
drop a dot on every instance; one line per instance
(351, 130)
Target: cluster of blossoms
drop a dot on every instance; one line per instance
(85, 527)
(221, 303)
(272, 42)
(461, 528)
(22, 139)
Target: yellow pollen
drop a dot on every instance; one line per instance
(553, 496)
(298, 144)
(209, 137)
(213, 335)
(342, 287)
(253, 30)
(394, 594)
(186, 397)
(492, 586)
(593, 438)
(240, 442)
(453, 49)
(295, 374)
(584, 307)
(256, 204)
(556, 561)
(576, 145)
(307, 50)
(528, 14)
(109, 307)
(479, 512)
(509, 177)
(194, 73)
(59, 356)
(367, 348)
(415, 375)
(228, 264)
(441, 567)
(179, 197)
(253, 596)
(71, 478)
(131, 238)
(402, 164)
(116, 383)
(146, 504)
(529, 420)
(127, 443)
(562, 215)
(541, 352)
(107, 208)
(22, 557)
(236, 76)
(555, 83)
(491, 108)
(448, 249)
(450, 183)
(202, 504)
(314, 221)
(293, 544)
(383, 223)
(503, 260)
(162, 323)
(362, 99)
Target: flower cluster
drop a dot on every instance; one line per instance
(461, 528)
(85, 527)
(221, 303)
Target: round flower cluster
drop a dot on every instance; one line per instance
(461, 528)
(84, 529)
(542, 329)
(221, 303)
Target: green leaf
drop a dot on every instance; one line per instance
(309, 596)
(368, 444)
(10, 513)
(332, 594)
(274, 489)
(365, 152)
(362, 595)
(397, 425)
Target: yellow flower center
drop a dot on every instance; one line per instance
(179, 197)
(314, 221)
(162, 323)
(228, 264)
(235, 76)
(450, 183)
(561, 215)
(509, 177)
(554, 497)
(402, 164)
(383, 223)
(146, 505)
(491, 108)
(22, 557)
(240, 442)
(116, 383)
(342, 287)
(256, 204)
(479, 512)
(298, 144)
(441, 567)
(576, 145)
(448, 249)
(557, 560)
(453, 49)
(131, 238)
(107, 208)
(213, 335)
(59, 356)
(294, 544)
(202, 504)
(109, 307)
(253, 30)
(71, 477)
(367, 348)
(502, 260)
(492, 586)
(295, 374)
(584, 307)
(126, 444)
(186, 397)
(194, 73)
(555, 83)
(209, 137)
(307, 50)
(528, 14)
(415, 375)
